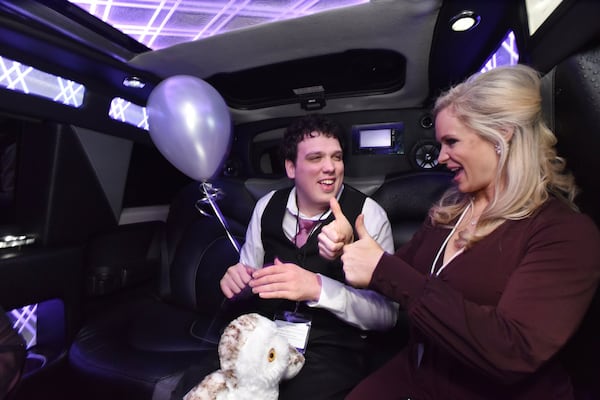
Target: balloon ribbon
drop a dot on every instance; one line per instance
(211, 194)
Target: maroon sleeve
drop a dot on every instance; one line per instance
(396, 279)
(541, 305)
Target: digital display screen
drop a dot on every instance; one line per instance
(381, 138)
(375, 138)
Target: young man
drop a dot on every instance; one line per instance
(299, 274)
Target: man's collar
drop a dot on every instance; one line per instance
(292, 206)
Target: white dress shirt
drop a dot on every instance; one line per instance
(362, 308)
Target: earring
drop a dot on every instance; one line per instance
(497, 148)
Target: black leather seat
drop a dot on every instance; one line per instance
(139, 349)
(407, 199)
(572, 103)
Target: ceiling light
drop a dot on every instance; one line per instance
(134, 82)
(464, 21)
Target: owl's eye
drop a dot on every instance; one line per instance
(272, 355)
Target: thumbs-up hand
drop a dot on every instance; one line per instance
(361, 257)
(336, 234)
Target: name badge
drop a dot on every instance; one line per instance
(295, 327)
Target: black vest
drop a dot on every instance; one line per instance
(276, 244)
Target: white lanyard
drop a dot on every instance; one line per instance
(432, 272)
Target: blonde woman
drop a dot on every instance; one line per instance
(500, 276)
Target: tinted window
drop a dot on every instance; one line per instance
(151, 179)
(9, 134)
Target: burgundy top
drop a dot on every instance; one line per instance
(488, 326)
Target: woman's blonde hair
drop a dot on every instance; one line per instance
(495, 103)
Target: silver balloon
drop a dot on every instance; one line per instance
(190, 124)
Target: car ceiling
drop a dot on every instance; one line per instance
(62, 38)
(375, 25)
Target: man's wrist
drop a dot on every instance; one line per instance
(320, 288)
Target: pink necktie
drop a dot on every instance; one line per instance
(304, 228)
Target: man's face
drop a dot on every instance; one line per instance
(318, 172)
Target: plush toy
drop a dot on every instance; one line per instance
(254, 359)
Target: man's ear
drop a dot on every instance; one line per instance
(290, 169)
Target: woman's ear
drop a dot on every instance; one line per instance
(507, 132)
(290, 169)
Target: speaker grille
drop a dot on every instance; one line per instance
(425, 155)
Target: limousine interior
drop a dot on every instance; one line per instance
(118, 218)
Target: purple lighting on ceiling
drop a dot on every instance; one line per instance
(163, 23)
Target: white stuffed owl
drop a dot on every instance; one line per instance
(254, 359)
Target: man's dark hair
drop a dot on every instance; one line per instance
(304, 127)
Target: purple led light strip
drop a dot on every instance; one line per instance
(148, 21)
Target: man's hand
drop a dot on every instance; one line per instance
(286, 281)
(336, 234)
(361, 257)
(235, 279)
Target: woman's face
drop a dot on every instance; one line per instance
(473, 160)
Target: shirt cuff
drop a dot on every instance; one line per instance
(329, 287)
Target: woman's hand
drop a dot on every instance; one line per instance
(361, 257)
